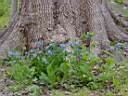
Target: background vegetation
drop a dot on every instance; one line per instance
(4, 12)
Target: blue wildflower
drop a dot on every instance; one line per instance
(32, 50)
(11, 53)
(62, 46)
(118, 46)
(39, 44)
(76, 43)
(73, 43)
(50, 52)
(70, 43)
(26, 53)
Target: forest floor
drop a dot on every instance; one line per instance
(5, 82)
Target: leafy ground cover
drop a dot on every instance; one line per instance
(69, 68)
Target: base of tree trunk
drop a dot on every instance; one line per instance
(59, 21)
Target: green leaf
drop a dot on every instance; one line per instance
(44, 78)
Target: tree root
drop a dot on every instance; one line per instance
(114, 32)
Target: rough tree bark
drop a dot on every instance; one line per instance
(13, 8)
(60, 20)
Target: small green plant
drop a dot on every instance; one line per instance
(34, 90)
(16, 87)
(119, 1)
(20, 72)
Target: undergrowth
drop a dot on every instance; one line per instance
(67, 66)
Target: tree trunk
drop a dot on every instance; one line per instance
(58, 21)
(13, 8)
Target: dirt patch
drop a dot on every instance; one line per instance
(4, 82)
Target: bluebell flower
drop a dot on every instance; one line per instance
(11, 53)
(39, 44)
(117, 46)
(74, 43)
(32, 50)
(62, 46)
(70, 43)
(50, 52)
(26, 53)
(110, 49)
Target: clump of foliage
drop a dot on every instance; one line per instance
(4, 12)
(69, 65)
(56, 65)
(119, 1)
